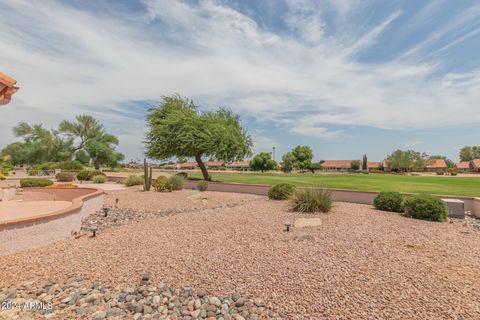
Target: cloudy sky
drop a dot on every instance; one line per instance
(346, 77)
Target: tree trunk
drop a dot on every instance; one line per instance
(97, 165)
(198, 158)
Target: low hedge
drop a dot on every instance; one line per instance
(35, 182)
(87, 175)
(389, 201)
(426, 207)
(65, 177)
(281, 191)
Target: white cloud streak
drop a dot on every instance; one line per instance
(68, 61)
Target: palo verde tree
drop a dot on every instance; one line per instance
(263, 162)
(176, 128)
(83, 129)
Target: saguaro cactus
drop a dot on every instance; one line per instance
(147, 173)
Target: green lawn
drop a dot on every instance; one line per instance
(371, 182)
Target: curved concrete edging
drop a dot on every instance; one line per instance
(343, 195)
(31, 232)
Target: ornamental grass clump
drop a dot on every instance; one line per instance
(133, 180)
(425, 207)
(202, 185)
(311, 200)
(281, 191)
(389, 201)
(99, 179)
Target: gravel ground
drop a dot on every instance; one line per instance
(358, 264)
(153, 201)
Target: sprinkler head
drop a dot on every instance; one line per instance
(105, 211)
(116, 201)
(287, 226)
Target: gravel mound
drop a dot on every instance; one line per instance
(79, 299)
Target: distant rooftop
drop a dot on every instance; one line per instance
(7, 88)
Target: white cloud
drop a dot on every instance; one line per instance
(68, 61)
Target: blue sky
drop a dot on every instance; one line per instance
(346, 77)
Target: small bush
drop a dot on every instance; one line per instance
(73, 165)
(439, 172)
(176, 182)
(133, 180)
(453, 171)
(184, 175)
(202, 185)
(281, 191)
(87, 175)
(65, 177)
(311, 200)
(426, 207)
(365, 171)
(99, 179)
(2, 177)
(35, 182)
(161, 184)
(389, 201)
(44, 166)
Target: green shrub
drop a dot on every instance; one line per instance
(99, 179)
(281, 191)
(311, 200)
(44, 166)
(133, 180)
(453, 171)
(202, 185)
(176, 182)
(2, 177)
(73, 165)
(184, 175)
(35, 182)
(439, 172)
(86, 175)
(426, 207)
(161, 184)
(389, 201)
(365, 171)
(65, 177)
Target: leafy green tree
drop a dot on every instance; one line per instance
(17, 152)
(355, 165)
(365, 162)
(42, 145)
(101, 149)
(407, 160)
(263, 162)
(288, 161)
(176, 128)
(315, 166)
(82, 157)
(84, 127)
(470, 153)
(303, 157)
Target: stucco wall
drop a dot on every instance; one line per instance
(7, 193)
(27, 235)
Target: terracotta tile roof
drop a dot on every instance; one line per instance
(187, 165)
(476, 163)
(436, 164)
(169, 165)
(463, 165)
(214, 163)
(240, 164)
(7, 88)
(337, 164)
(373, 165)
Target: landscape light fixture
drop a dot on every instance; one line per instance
(94, 230)
(116, 201)
(287, 226)
(105, 211)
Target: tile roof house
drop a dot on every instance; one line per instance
(464, 166)
(7, 88)
(214, 164)
(186, 165)
(337, 165)
(239, 165)
(475, 165)
(436, 164)
(374, 165)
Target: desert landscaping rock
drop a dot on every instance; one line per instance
(360, 263)
(307, 222)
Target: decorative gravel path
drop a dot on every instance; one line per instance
(358, 264)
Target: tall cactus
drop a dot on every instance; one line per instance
(147, 173)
